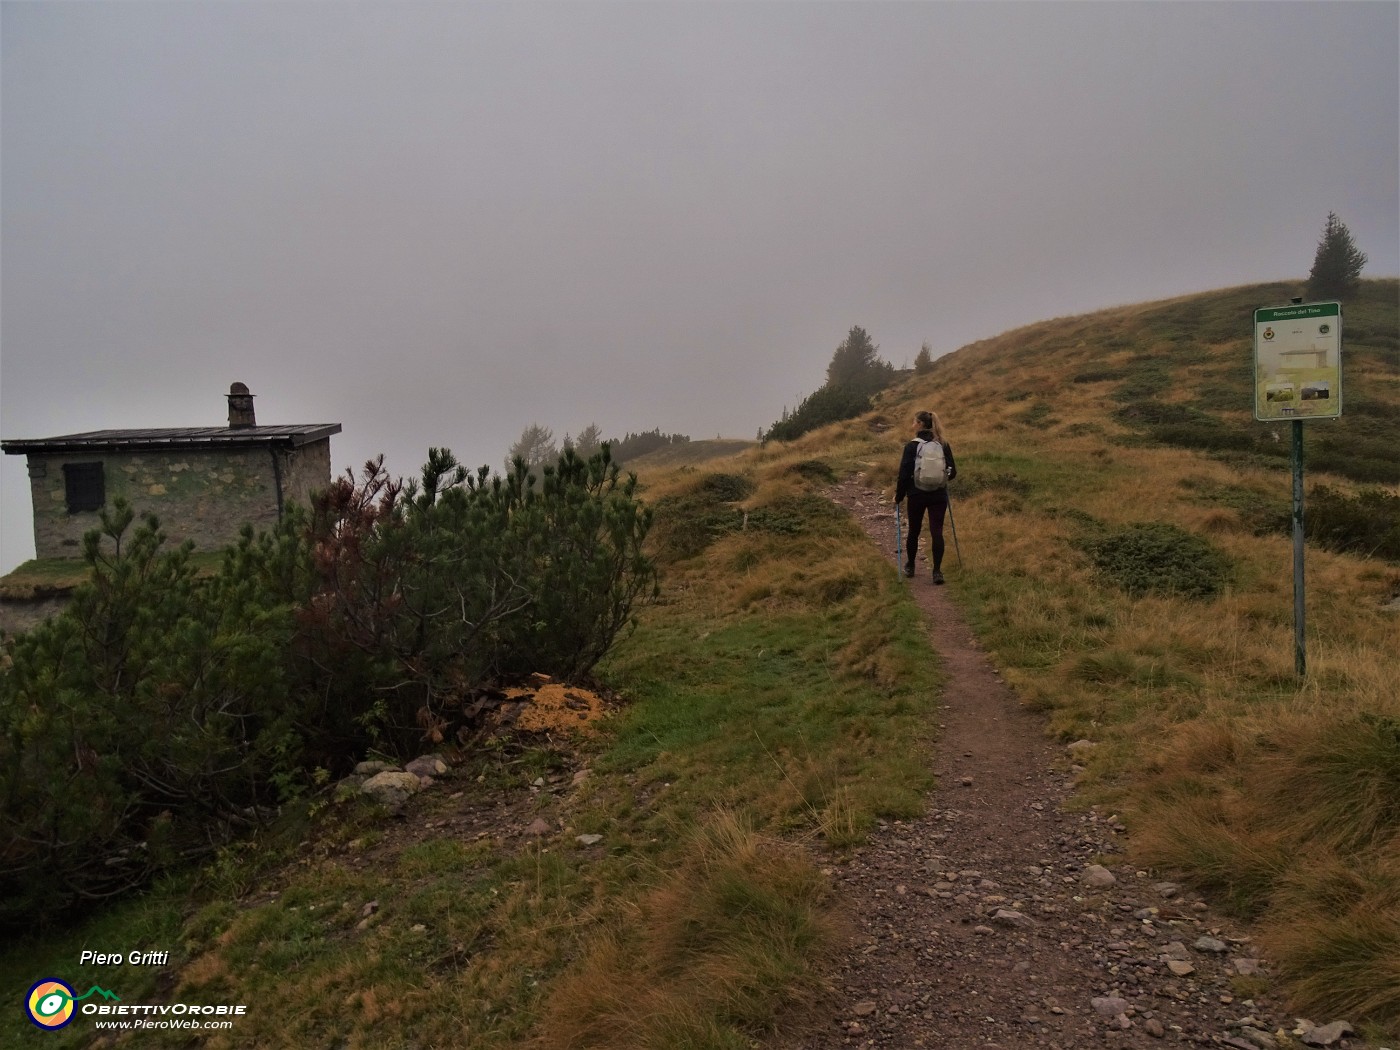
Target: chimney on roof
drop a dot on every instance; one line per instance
(240, 407)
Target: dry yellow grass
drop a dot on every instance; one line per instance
(718, 936)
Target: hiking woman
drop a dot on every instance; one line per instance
(924, 472)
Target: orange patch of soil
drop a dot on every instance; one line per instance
(555, 707)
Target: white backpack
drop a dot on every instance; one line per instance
(930, 467)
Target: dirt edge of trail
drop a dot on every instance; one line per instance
(1001, 920)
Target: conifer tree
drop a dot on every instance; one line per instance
(854, 376)
(856, 365)
(536, 448)
(923, 361)
(1336, 272)
(589, 441)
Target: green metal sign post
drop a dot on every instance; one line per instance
(1298, 376)
(1300, 609)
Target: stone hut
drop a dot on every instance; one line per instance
(204, 483)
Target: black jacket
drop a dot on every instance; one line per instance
(905, 485)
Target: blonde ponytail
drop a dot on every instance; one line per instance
(930, 421)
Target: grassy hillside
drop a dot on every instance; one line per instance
(689, 453)
(1179, 374)
(1127, 561)
(1118, 517)
(1122, 519)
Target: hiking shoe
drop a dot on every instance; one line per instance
(937, 576)
(909, 571)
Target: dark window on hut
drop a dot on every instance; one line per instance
(84, 486)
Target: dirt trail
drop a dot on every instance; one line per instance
(979, 925)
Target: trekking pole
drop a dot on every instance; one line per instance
(898, 538)
(956, 546)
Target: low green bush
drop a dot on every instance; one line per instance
(1227, 386)
(1037, 415)
(1358, 456)
(1374, 407)
(1149, 413)
(1160, 558)
(1208, 435)
(727, 488)
(803, 514)
(419, 591)
(815, 470)
(1145, 379)
(1367, 523)
(688, 523)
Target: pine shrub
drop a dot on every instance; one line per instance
(1160, 558)
(160, 715)
(143, 726)
(1367, 523)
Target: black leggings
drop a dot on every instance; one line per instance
(935, 504)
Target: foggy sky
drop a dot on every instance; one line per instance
(438, 223)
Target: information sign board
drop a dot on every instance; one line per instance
(1298, 361)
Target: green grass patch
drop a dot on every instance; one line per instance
(1117, 667)
(152, 921)
(688, 523)
(700, 962)
(794, 706)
